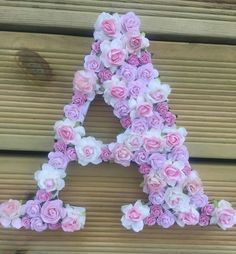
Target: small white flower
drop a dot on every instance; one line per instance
(49, 178)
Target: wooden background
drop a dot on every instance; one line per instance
(193, 45)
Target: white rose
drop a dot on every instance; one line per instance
(49, 178)
(88, 151)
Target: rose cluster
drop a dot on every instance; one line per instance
(120, 68)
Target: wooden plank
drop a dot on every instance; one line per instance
(202, 77)
(174, 18)
(103, 189)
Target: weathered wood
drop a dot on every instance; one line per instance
(202, 77)
(173, 18)
(102, 190)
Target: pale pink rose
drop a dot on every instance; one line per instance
(189, 217)
(133, 60)
(43, 195)
(25, 221)
(136, 88)
(133, 142)
(10, 211)
(170, 118)
(150, 220)
(145, 57)
(125, 122)
(176, 199)
(144, 169)
(58, 160)
(52, 211)
(145, 109)
(71, 154)
(157, 92)
(152, 144)
(85, 81)
(134, 215)
(135, 41)
(92, 63)
(96, 47)
(204, 220)
(78, 98)
(172, 172)
(60, 146)
(224, 215)
(37, 224)
(130, 22)
(107, 26)
(106, 154)
(127, 72)
(146, 72)
(70, 224)
(193, 183)
(153, 182)
(113, 53)
(122, 155)
(32, 208)
(105, 74)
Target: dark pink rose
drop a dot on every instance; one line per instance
(105, 74)
(204, 220)
(106, 154)
(60, 146)
(170, 118)
(125, 122)
(150, 220)
(78, 98)
(25, 222)
(156, 210)
(208, 209)
(133, 60)
(54, 226)
(162, 108)
(145, 57)
(144, 169)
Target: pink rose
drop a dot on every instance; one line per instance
(152, 144)
(78, 98)
(150, 220)
(170, 118)
(173, 139)
(172, 172)
(224, 215)
(92, 63)
(25, 221)
(32, 208)
(146, 72)
(96, 47)
(145, 109)
(71, 154)
(144, 169)
(106, 154)
(127, 72)
(43, 195)
(84, 81)
(37, 224)
(153, 182)
(130, 22)
(133, 60)
(122, 155)
(125, 122)
(156, 210)
(60, 146)
(145, 57)
(105, 74)
(139, 126)
(121, 109)
(119, 92)
(58, 160)
(162, 108)
(157, 160)
(135, 41)
(66, 132)
(189, 217)
(52, 211)
(204, 220)
(113, 53)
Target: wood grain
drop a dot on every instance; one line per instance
(102, 190)
(175, 18)
(202, 77)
